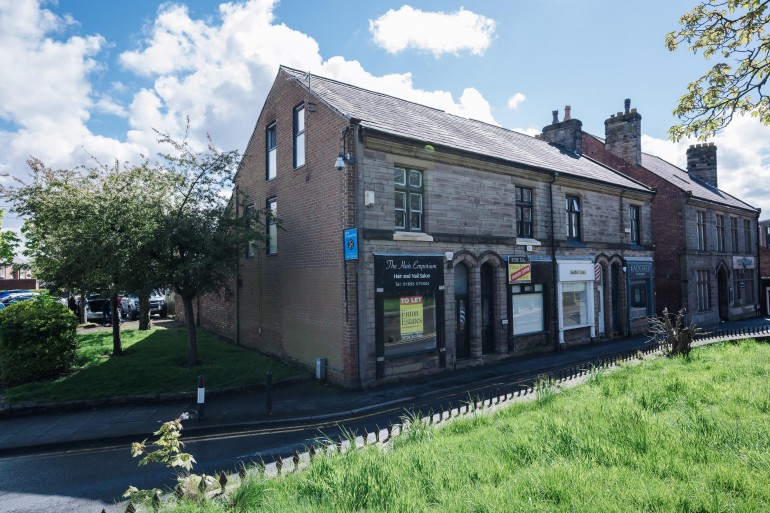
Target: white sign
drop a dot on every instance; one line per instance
(576, 271)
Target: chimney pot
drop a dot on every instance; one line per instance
(555, 114)
(619, 114)
(633, 110)
(627, 104)
(567, 112)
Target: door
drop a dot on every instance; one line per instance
(462, 312)
(487, 309)
(723, 294)
(615, 290)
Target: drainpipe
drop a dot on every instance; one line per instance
(757, 277)
(554, 305)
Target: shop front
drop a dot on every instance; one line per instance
(641, 293)
(575, 300)
(409, 307)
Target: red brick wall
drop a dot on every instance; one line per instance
(667, 224)
(292, 304)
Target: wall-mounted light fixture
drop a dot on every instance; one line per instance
(449, 256)
(344, 157)
(624, 268)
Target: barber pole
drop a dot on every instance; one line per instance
(201, 396)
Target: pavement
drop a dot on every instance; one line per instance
(303, 401)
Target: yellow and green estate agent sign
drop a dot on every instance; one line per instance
(412, 321)
(519, 270)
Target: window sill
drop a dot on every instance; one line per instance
(568, 328)
(413, 236)
(527, 241)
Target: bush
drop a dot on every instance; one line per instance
(37, 340)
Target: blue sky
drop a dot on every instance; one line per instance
(93, 77)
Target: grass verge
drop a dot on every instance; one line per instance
(154, 361)
(684, 434)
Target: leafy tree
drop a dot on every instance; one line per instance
(206, 228)
(8, 243)
(88, 229)
(733, 31)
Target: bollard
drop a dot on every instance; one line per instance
(201, 397)
(269, 395)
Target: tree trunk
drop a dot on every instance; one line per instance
(117, 344)
(82, 308)
(144, 311)
(192, 337)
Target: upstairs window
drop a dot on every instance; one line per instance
(299, 136)
(720, 233)
(747, 235)
(409, 193)
(767, 237)
(734, 233)
(270, 148)
(573, 217)
(271, 205)
(251, 246)
(636, 233)
(523, 212)
(701, 231)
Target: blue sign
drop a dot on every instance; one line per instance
(351, 244)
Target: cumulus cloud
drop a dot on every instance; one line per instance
(435, 32)
(743, 161)
(516, 100)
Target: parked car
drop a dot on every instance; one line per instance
(129, 306)
(95, 307)
(15, 297)
(6, 293)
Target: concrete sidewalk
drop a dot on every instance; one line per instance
(303, 401)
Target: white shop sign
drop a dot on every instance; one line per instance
(576, 271)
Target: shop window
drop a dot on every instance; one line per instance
(271, 206)
(743, 287)
(299, 136)
(524, 212)
(409, 199)
(271, 163)
(573, 217)
(410, 323)
(701, 231)
(704, 287)
(575, 304)
(527, 308)
(639, 295)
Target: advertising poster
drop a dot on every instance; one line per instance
(412, 322)
(519, 270)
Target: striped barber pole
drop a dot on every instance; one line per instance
(597, 272)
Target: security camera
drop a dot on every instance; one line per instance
(340, 163)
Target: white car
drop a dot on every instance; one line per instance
(129, 306)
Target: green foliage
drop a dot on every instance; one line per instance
(37, 340)
(153, 363)
(734, 33)
(699, 445)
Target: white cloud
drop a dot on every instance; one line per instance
(216, 70)
(516, 100)
(743, 161)
(434, 32)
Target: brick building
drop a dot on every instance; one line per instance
(433, 242)
(764, 266)
(705, 239)
(17, 277)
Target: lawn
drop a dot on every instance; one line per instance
(154, 361)
(668, 435)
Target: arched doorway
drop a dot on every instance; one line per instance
(615, 291)
(462, 312)
(487, 309)
(723, 294)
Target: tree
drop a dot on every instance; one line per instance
(206, 229)
(8, 243)
(89, 229)
(734, 32)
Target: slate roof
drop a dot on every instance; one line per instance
(682, 179)
(402, 118)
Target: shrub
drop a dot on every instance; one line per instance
(37, 340)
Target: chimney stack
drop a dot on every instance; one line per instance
(568, 133)
(623, 135)
(702, 162)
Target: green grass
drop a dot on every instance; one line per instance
(669, 435)
(154, 361)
